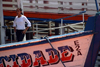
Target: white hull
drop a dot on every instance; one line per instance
(76, 50)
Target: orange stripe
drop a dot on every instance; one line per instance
(45, 15)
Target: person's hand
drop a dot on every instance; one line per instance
(14, 29)
(24, 32)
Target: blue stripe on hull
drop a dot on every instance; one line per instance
(42, 41)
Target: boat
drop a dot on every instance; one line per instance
(77, 49)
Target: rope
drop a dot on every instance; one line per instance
(72, 15)
(61, 18)
(54, 50)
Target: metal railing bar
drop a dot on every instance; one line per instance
(53, 20)
(50, 29)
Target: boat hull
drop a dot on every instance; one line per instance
(72, 52)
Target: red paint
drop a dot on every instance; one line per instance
(15, 64)
(1, 65)
(66, 58)
(41, 60)
(24, 64)
(53, 60)
(45, 15)
(8, 66)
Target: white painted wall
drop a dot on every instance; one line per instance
(38, 6)
(2, 30)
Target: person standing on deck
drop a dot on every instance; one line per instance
(19, 24)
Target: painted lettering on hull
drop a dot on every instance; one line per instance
(64, 52)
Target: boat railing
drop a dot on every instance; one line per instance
(50, 29)
(61, 28)
(35, 27)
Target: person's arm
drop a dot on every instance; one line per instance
(28, 25)
(25, 30)
(14, 29)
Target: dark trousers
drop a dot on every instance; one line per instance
(19, 35)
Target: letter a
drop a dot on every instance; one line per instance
(39, 58)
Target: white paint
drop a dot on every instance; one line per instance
(2, 30)
(53, 6)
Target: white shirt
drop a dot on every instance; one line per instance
(19, 22)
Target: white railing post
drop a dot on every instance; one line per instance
(36, 30)
(15, 36)
(61, 26)
(83, 21)
(11, 34)
(50, 31)
(2, 30)
(62, 29)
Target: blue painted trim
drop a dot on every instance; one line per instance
(42, 41)
(42, 19)
(96, 5)
(95, 44)
(90, 23)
